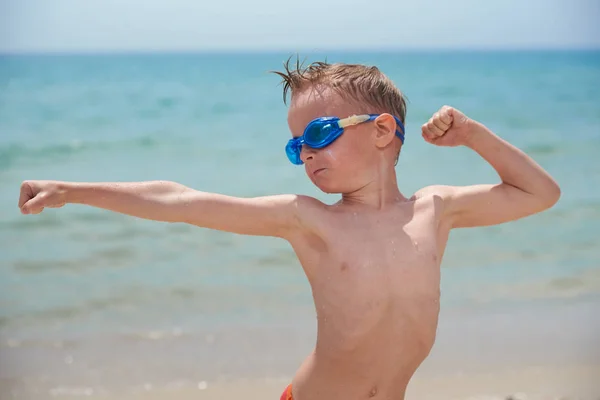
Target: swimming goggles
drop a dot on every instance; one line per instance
(321, 132)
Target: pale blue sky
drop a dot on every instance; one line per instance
(183, 25)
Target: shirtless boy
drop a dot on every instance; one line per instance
(373, 258)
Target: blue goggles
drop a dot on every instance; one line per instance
(321, 132)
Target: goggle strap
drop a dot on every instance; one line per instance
(354, 120)
(358, 119)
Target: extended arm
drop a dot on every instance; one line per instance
(170, 202)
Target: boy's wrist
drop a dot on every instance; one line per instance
(71, 191)
(477, 133)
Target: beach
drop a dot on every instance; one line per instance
(100, 305)
(541, 383)
(547, 351)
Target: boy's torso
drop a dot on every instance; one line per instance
(375, 278)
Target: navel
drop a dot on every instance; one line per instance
(373, 392)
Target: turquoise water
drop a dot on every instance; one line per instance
(217, 123)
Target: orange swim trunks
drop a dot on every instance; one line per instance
(287, 394)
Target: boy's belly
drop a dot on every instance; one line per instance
(365, 364)
(325, 377)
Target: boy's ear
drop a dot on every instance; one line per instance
(386, 127)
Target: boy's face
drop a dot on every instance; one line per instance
(348, 163)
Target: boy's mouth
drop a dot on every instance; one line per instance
(317, 171)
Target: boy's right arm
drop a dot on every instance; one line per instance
(172, 202)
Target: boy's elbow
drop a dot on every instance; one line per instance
(551, 195)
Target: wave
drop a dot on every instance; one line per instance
(13, 154)
(21, 224)
(584, 283)
(68, 312)
(542, 149)
(115, 256)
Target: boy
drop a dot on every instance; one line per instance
(373, 258)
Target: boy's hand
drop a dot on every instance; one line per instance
(36, 195)
(448, 127)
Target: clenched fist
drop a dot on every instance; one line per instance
(448, 127)
(37, 195)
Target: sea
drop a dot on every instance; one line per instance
(92, 301)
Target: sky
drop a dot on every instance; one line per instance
(201, 25)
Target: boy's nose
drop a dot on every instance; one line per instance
(307, 153)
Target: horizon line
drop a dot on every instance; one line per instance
(305, 50)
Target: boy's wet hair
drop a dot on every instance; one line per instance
(362, 84)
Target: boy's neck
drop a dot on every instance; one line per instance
(379, 194)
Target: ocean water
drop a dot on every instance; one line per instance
(82, 287)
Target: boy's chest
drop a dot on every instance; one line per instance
(356, 249)
(391, 241)
(377, 262)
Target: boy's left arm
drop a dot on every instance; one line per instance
(525, 188)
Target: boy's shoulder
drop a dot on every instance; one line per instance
(308, 207)
(436, 192)
(433, 196)
(302, 200)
